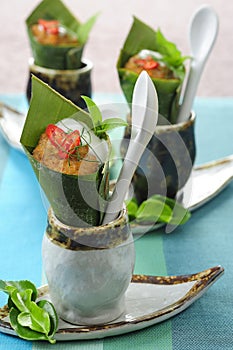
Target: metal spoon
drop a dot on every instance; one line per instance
(202, 36)
(144, 121)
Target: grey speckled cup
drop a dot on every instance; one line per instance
(167, 163)
(71, 83)
(88, 269)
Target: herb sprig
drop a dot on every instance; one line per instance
(101, 127)
(157, 209)
(31, 320)
(171, 56)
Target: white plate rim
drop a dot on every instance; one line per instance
(203, 280)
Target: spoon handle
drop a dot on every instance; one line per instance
(133, 155)
(144, 120)
(190, 91)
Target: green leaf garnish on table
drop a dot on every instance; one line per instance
(31, 320)
(157, 209)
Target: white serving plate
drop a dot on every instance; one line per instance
(149, 300)
(11, 125)
(205, 183)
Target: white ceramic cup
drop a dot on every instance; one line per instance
(88, 269)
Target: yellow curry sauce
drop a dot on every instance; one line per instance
(154, 68)
(79, 161)
(52, 33)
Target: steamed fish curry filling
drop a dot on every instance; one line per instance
(52, 33)
(155, 69)
(64, 152)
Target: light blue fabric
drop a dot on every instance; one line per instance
(205, 241)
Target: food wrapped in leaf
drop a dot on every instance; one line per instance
(69, 151)
(147, 49)
(56, 37)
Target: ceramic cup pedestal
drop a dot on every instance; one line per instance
(71, 83)
(166, 165)
(88, 269)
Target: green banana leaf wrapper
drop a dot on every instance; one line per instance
(65, 193)
(142, 37)
(63, 56)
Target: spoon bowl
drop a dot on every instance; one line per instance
(205, 20)
(202, 35)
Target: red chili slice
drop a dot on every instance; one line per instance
(69, 144)
(147, 63)
(55, 134)
(65, 143)
(51, 26)
(140, 62)
(53, 31)
(150, 64)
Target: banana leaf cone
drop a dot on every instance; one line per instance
(62, 56)
(77, 200)
(142, 37)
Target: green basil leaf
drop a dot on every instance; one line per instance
(49, 308)
(171, 55)
(20, 298)
(9, 289)
(36, 319)
(109, 124)
(158, 209)
(171, 202)
(180, 215)
(25, 332)
(30, 320)
(153, 210)
(24, 319)
(23, 285)
(93, 110)
(167, 48)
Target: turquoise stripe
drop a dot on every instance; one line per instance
(150, 260)
(206, 240)
(72, 345)
(153, 338)
(213, 129)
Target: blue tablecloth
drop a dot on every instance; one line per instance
(205, 241)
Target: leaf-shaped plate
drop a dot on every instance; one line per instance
(149, 300)
(11, 125)
(206, 182)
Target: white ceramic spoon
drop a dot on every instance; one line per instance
(202, 36)
(144, 121)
